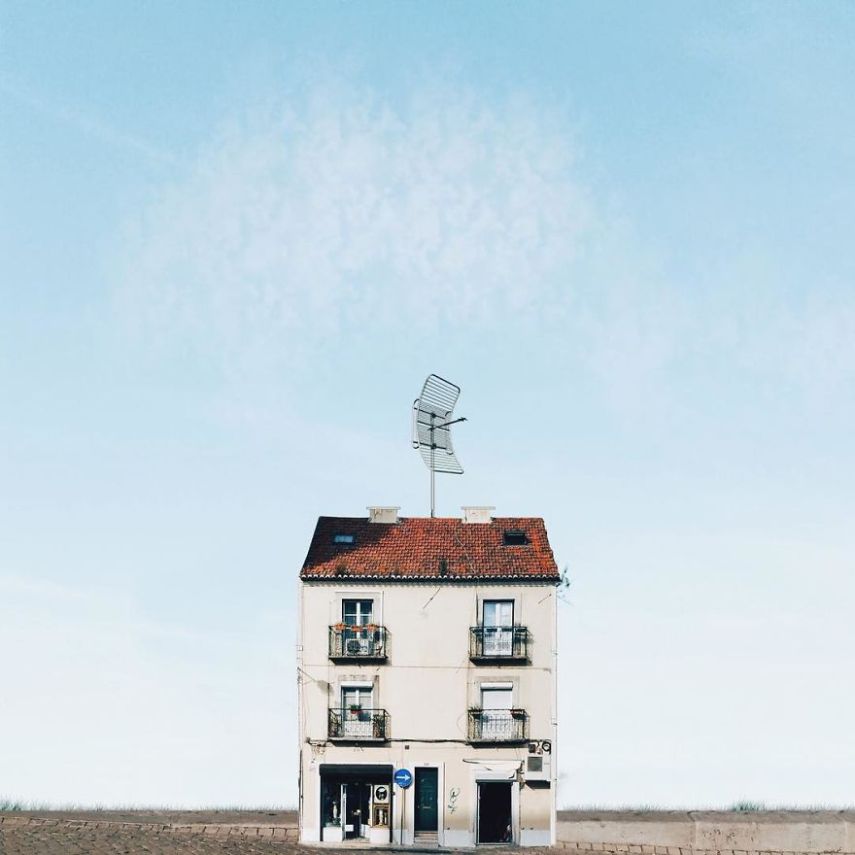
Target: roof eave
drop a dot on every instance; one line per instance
(362, 577)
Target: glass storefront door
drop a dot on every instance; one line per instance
(356, 802)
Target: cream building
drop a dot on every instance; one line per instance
(428, 646)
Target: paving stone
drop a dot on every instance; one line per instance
(27, 835)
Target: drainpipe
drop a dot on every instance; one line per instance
(300, 720)
(554, 764)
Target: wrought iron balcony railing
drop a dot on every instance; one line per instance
(502, 643)
(358, 725)
(365, 642)
(498, 725)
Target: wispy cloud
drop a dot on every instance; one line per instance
(339, 210)
(85, 122)
(344, 208)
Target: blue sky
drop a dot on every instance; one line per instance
(237, 237)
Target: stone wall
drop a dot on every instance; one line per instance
(682, 832)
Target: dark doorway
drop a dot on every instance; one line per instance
(357, 799)
(494, 813)
(426, 800)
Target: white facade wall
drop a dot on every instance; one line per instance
(427, 685)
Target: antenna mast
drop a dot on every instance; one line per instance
(432, 420)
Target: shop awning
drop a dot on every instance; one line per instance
(357, 770)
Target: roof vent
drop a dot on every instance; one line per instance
(477, 513)
(381, 514)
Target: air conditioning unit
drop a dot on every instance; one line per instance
(538, 763)
(381, 794)
(538, 767)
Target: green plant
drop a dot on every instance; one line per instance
(563, 585)
(745, 806)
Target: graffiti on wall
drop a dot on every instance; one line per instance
(453, 795)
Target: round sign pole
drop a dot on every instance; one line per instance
(403, 778)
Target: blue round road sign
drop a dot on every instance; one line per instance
(403, 778)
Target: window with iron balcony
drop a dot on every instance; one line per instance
(357, 719)
(497, 637)
(356, 636)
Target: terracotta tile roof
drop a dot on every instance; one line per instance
(425, 548)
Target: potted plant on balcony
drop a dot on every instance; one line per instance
(338, 627)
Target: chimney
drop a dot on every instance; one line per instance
(477, 513)
(383, 514)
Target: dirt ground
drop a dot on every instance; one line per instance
(65, 839)
(229, 832)
(158, 833)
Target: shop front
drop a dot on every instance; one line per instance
(356, 802)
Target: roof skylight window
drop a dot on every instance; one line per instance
(515, 537)
(343, 539)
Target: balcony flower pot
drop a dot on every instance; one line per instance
(339, 627)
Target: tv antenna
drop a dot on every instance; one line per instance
(432, 421)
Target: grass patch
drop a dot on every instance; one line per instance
(747, 806)
(741, 806)
(8, 805)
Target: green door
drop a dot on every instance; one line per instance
(426, 799)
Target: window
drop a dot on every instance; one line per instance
(343, 539)
(498, 613)
(497, 700)
(515, 537)
(497, 696)
(498, 624)
(356, 705)
(359, 634)
(357, 697)
(357, 612)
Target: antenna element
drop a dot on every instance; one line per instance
(432, 421)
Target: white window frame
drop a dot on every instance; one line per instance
(337, 603)
(496, 721)
(487, 601)
(498, 638)
(355, 724)
(360, 617)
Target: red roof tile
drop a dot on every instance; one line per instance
(425, 548)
